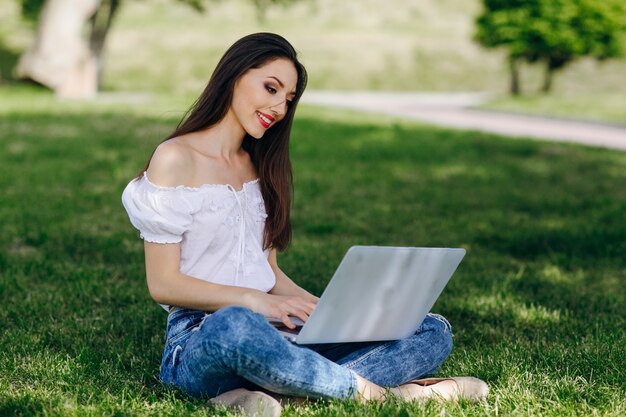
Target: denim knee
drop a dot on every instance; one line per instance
(234, 324)
(440, 320)
(236, 312)
(441, 331)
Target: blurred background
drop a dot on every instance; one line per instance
(170, 46)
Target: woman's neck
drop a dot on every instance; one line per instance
(222, 140)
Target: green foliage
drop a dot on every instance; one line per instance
(31, 8)
(560, 29)
(194, 4)
(553, 31)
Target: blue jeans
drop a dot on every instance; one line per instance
(206, 355)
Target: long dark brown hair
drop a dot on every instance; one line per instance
(270, 155)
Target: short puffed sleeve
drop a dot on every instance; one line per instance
(161, 214)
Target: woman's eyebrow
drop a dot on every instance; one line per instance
(279, 81)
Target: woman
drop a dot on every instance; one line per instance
(212, 206)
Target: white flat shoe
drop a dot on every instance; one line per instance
(250, 403)
(467, 388)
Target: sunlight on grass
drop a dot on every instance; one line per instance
(556, 275)
(450, 171)
(506, 306)
(365, 141)
(23, 251)
(552, 223)
(16, 148)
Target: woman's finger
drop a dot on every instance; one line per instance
(311, 307)
(290, 309)
(300, 313)
(287, 321)
(307, 306)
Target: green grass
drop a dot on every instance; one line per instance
(537, 305)
(603, 107)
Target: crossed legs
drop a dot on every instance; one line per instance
(234, 348)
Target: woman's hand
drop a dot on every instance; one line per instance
(280, 306)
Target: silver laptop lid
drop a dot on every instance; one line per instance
(380, 293)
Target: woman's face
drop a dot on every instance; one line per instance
(262, 95)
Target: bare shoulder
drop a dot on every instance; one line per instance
(171, 164)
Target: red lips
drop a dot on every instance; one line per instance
(263, 118)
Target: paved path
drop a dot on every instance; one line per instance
(452, 110)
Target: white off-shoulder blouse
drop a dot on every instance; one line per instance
(220, 229)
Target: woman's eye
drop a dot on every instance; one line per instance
(271, 89)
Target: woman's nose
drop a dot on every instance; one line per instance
(279, 109)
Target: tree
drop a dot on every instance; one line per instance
(552, 32)
(61, 59)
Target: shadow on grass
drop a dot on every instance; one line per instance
(542, 235)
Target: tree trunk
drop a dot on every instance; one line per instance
(515, 82)
(547, 78)
(60, 59)
(100, 25)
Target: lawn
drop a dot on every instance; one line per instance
(537, 306)
(599, 107)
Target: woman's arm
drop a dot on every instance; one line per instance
(284, 285)
(167, 285)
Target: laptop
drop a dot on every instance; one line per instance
(377, 293)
